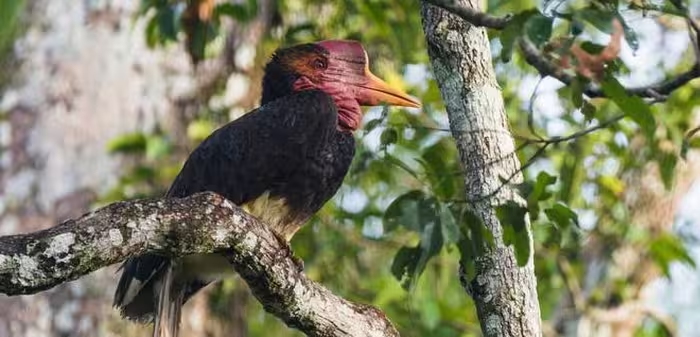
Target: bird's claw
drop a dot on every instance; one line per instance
(290, 253)
(297, 261)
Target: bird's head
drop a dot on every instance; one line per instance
(337, 67)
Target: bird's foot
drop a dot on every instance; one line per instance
(290, 253)
(297, 261)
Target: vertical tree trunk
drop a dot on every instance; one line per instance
(505, 294)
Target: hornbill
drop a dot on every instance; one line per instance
(280, 162)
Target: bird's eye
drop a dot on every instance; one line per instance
(320, 64)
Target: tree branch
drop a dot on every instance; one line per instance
(475, 17)
(538, 61)
(534, 58)
(203, 223)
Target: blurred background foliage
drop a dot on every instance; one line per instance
(601, 203)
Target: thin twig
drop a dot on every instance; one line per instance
(692, 132)
(476, 18)
(531, 110)
(571, 281)
(528, 140)
(506, 182)
(546, 142)
(578, 134)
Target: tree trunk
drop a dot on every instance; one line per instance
(504, 293)
(85, 76)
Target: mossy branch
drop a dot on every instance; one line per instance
(203, 223)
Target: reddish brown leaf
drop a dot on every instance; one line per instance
(204, 9)
(593, 65)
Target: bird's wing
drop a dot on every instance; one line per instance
(241, 161)
(246, 157)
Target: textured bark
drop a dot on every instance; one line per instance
(504, 293)
(203, 223)
(82, 76)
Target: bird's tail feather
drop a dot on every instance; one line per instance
(170, 297)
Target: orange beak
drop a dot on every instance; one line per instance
(377, 92)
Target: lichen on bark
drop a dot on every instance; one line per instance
(504, 293)
(203, 223)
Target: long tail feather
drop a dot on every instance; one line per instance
(170, 297)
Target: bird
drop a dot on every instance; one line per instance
(280, 162)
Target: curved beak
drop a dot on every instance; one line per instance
(376, 92)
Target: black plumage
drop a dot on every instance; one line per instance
(289, 148)
(281, 162)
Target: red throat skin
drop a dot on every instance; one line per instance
(349, 110)
(349, 115)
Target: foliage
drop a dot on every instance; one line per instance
(401, 221)
(10, 23)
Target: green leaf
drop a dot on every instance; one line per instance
(467, 257)
(562, 215)
(539, 193)
(630, 35)
(139, 174)
(299, 33)
(238, 12)
(10, 19)
(673, 7)
(128, 143)
(438, 161)
(448, 223)
(689, 143)
(667, 165)
(539, 29)
(576, 28)
(475, 241)
(200, 34)
(199, 130)
(433, 221)
(389, 136)
(592, 48)
(397, 162)
(431, 314)
(157, 147)
(588, 110)
(602, 20)
(167, 24)
(577, 86)
(481, 237)
(667, 248)
(513, 31)
(410, 262)
(405, 265)
(632, 106)
(515, 231)
(694, 143)
(152, 33)
(404, 211)
(371, 125)
(612, 184)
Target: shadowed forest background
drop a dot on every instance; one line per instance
(102, 101)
